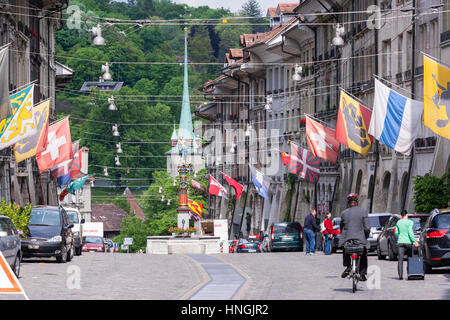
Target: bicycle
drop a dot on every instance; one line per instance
(355, 250)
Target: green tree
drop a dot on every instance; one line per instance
(251, 8)
(20, 217)
(431, 192)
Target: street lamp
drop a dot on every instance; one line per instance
(119, 149)
(337, 40)
(117, 160)
(249, 130)
(105, 70)
(297, 76)
(98, 39)
(268, 106)
(160, 190)
(112, 105)
(105, 172)
(115, 131)
(174, 182)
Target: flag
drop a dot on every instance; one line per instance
(63, 194)
(21, 123)
(352, 123)
(197, 185)
(260, 182)
(67, 171)
(304, 164)
(215, 188)
(322, 141)
(59, 146)
(436, 97)
(286, 158)
(395, 119)
(77, 184)
(195, 207)
(28, 147)
(236, 186)
(5, 104)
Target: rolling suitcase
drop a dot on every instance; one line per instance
(415, 266)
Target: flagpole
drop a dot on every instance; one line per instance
(245, 201)
(24, 86)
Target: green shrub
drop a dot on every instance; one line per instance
(20, 216)
(431, 192)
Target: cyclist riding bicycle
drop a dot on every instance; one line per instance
(354, 226)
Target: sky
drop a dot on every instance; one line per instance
(233, 5)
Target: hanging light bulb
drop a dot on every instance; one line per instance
(337, 40)
(92, 183)
(98, 39)
(297, 76)
(233, 148)
(174, 182)
(119, 149)
(115, 131)
(160, 190)
(105, 70)
(249, 130)
(168, 202)
(105, 171)
(112, 106)
(162, 198)
(268, 106)
(117, 160)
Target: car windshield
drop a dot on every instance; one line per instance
(442, 221)
(286, 228)
(253, 240)
(45, 218)
(419, 222)
(73, 216)
(378, 221)
(93, 240)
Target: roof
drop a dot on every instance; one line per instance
(269, 35)
(286, 8)
(237, 53)
(134, 206)
(108, 213)
(271, 12)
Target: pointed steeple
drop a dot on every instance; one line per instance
(185, 129)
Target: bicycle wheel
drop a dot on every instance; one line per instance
(355, 283)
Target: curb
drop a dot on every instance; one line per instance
(204, 275)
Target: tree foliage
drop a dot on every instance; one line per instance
(431, 192)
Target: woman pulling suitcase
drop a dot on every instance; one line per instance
(405, 233)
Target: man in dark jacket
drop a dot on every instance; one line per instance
(309, 228)
(354, 226)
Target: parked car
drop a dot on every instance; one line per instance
(377, 221)
(93, 244)
(75, 218)
(50, 234)
(248, 246)
(10, 244)
(286, 236)
(387, 240)
(435, 239)
(337, 234)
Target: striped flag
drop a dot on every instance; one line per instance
(304, 164)
(195, 207)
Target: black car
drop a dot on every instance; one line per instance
(248, 246)
(50, 234)
(387, 240)
(10, 243)
(435, 239)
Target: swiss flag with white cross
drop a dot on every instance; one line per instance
(59, 146)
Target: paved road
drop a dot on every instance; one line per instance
(277, 276)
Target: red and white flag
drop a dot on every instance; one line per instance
(216, 189)
(236, 185)
(322, 141)
(59, 146)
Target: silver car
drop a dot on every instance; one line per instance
(377, 222)
(10, 244)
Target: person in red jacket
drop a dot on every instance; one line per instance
(328, 232)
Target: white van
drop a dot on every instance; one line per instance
(75, 218)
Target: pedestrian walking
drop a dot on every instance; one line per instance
(328, 233)
(310, 227)
(406, 239)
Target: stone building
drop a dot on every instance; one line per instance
(29, 28)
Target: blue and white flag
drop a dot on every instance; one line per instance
(260, 182)
(395, 119)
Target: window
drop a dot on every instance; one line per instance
(386, 58)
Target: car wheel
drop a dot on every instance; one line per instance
(62, 258)
(380, 256)
(391, 253)
(16, 266)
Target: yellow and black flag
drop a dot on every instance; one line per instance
(436, 97)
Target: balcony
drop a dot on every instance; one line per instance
(407, 75)
(399, 77)
(425, 143)
(445, 36)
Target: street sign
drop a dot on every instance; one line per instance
(124, 247)
(9, 283)
(128, 241)
(116, 244)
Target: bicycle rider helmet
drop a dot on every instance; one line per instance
(352, 197)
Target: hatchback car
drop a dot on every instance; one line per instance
(10, 244)
(286, 236)
(248, 246)
(435, 239)
(387, 240)
(93, 244)
(377, 221)
(50, 234)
